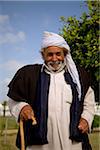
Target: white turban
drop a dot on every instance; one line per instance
(53, 39)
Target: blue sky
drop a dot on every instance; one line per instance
(21, 28)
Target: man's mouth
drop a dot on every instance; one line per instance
(54, 65)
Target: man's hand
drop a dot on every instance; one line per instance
(27, 113)
(83, 125)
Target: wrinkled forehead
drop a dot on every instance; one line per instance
(54, 49)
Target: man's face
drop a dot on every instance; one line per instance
(53, 57)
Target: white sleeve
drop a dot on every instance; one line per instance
(15, 107)
(89, 107)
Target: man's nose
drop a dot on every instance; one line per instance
(54, 57)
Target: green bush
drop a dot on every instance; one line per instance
(82, 36)
(96, 121)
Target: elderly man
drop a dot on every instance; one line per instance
(58, 94)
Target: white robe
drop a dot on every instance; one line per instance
(59, 102)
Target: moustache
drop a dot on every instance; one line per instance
(54, 62)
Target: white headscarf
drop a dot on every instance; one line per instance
(53, 39)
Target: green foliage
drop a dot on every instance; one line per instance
(83, 38)
(96, 121)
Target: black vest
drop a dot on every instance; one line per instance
(26, 86)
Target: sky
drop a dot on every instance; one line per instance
(22, 24)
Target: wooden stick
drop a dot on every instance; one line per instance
(22, 135)
(22, 132)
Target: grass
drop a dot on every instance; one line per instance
(95, 140)
(8, 122)
(8, 143)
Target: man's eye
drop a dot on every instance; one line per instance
(50, 54)
(58, 53)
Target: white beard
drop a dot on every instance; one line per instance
(60, 67)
